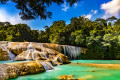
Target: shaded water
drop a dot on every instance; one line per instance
(11, 61)
(79, 72)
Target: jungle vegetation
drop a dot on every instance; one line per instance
(101, 37)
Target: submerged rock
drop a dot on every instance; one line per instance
(68, 77)
(92, 71)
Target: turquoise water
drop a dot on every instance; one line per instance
(97, 61)
(79, 72)
(3, 62)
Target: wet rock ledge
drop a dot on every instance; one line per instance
(12, 70)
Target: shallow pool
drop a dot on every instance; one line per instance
(97, 61)
(78, 71)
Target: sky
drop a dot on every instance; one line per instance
(91, 9)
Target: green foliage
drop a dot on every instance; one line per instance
(79, 38)
(112, 18)
(58, 32)
(18, 32)
(32, 9)
(117, 22)
(102, 22)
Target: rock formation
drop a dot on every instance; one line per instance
(12, 70)
(39, 56)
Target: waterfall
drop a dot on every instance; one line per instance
(28, 55)
(64, 50)
(59, 49)
(31, 50)
(42, 53)
(47, 65)
(11, 55)
(4, 48)
(50, 51)
(55, 60)
(50, 65)
(61, 61)
(72, 52)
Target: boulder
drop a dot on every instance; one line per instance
(12, 70)
(17, 47)
(4, 56)
(62, 59)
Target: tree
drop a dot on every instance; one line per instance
(103, 22)
(117, 22)
(2, 35)
(110, 42)
(79, 38)
(4, 23)
(57, 31)
(43, 36)
(34, 34)
(32, 9)
(111, 19)
(77, 22)
(94, 43)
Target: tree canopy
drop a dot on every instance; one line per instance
(32, 9)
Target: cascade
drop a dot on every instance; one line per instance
(31, 50)
(42, 53)
(64, 48)
(49, 50)
(4, 48)
(59, 49)
(55, 60)
(47, 65)
(11, 55)
(72, 52)
(28, 55)
(61, 61)
(50, 65)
